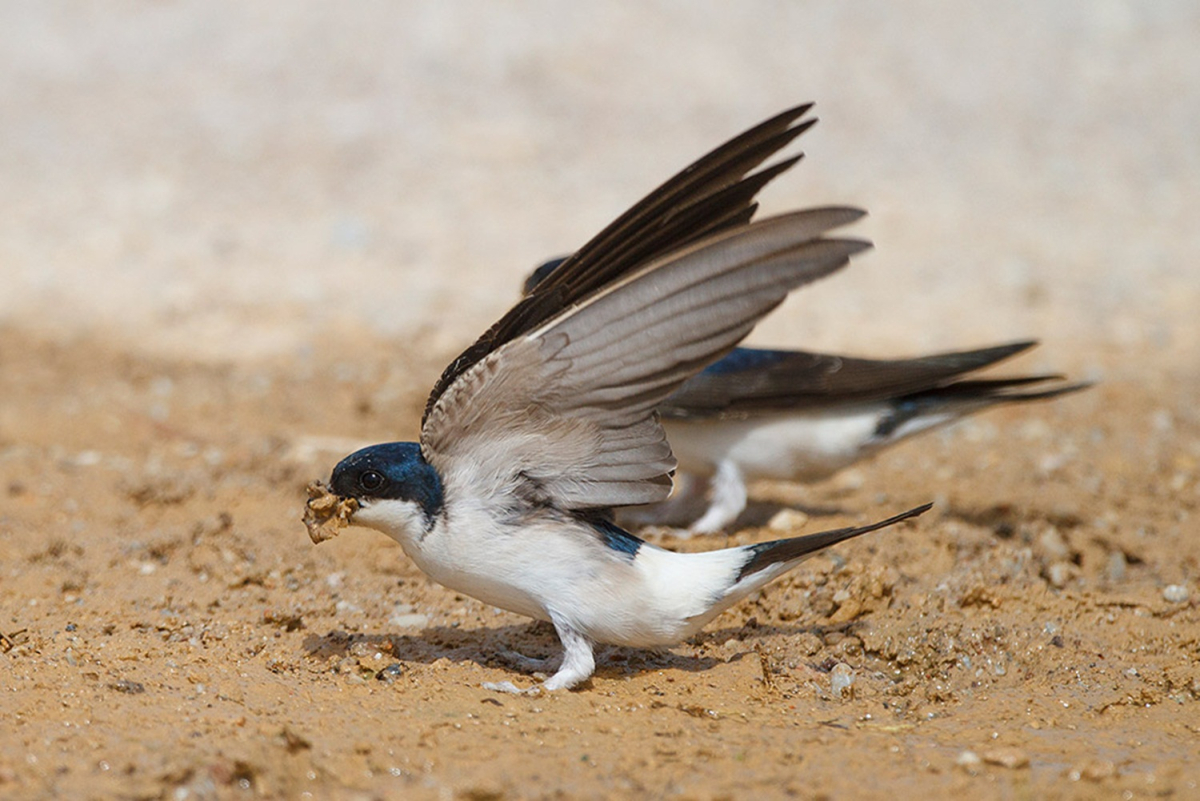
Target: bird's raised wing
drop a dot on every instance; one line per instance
(563, 414)
(713, 194)
(752, 381)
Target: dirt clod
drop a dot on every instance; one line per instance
(325, 514)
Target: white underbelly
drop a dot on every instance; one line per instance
(554, 571)
(787, 447)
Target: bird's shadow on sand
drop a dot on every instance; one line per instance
(503, 646)
(496, 647)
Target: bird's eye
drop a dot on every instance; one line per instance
(371, 480)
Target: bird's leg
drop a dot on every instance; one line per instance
(578, 663)
(728, 499)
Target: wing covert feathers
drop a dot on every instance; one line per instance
(568, 408)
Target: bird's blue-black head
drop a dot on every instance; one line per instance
(391, 471)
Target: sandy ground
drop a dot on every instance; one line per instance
(237, 244)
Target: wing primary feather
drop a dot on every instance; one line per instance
(734, 158)
(610, 253)
(753, 380)
(702, 185)
(679, 227)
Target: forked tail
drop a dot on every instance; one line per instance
(766, 554)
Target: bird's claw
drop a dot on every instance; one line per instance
(512, 689)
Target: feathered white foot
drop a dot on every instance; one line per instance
(728, 500)
(578, 664)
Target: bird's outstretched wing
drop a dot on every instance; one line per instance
(713, 194)
(751, 381)
(563, 414)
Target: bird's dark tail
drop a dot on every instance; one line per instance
(765, 554)
(967, 396)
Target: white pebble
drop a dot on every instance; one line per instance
(1059, 574)
(1175, 593)
(788, 520)
(841, 679)
(409, 621)
(1052, 543)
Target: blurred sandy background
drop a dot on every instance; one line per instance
(238, 240)
(224, 180)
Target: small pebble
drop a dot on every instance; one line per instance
(363, 649)
(412, 620)
(127, 686)
(841, 680)
(968, 759)
(1053, 545)
(788, 520)
(848, 481)
(1175, 593)
(808, 643)
(1096, 770)
(390, 673)
(1007, 758)
(1059, 574)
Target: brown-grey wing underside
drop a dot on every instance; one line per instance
(712, 195)
(565, 413)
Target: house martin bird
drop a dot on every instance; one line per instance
(796, 416)
(799, 416)
(538, 430)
